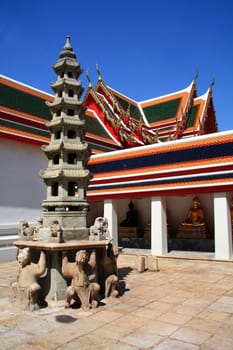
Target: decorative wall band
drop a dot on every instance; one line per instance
(158, 159)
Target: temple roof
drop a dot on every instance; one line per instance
(164, 145)
(23, 112)
(114, 121)
(129, 123)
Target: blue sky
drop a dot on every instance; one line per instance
(144, 48)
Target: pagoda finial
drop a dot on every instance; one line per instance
(196, 75)
(67, 50)
(89, 80)
(98, 72)
(68, 44)
(212, 84)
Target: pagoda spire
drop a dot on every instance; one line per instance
(67, 177)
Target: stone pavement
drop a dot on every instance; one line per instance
(187, 305)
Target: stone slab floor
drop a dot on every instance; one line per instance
(187, 305)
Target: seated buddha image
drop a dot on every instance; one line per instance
(131, 217)
(195, 217)
(194, 225)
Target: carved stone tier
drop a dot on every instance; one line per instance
(53, 284)
(73, 224)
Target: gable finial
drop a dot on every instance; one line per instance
(196, 75)
(212, 84)
(88, 78)
(98, 72)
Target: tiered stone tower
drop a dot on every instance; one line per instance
(65, 208)
(66, 177)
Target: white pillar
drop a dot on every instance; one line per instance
(158, 226)
(222, 227)
(110, 212)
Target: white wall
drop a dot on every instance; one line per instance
(22, 190)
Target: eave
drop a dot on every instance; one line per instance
(203, 164)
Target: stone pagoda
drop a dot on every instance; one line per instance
(65, 207)
(63, 231)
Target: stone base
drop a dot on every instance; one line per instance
(53, 284)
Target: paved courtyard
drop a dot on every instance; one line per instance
(187, 305)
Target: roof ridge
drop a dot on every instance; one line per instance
(187, 89)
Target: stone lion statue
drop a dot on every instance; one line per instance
(100, 229)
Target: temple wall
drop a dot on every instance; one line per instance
(22, 190)
(22, 193)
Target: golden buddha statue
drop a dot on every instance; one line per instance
(194, 226)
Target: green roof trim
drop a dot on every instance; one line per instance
(162, 111)
(100, 147)
(94, 127)
(21, 101)
(192, 116)
(25, 128)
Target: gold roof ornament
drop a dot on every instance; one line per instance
(89, 80)
(212, 84)
(98, 72)
(196, 75)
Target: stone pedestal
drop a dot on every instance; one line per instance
(192, 232)
(53, 284)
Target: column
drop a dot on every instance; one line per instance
(222, 227)
(110, 212)
(158, 226)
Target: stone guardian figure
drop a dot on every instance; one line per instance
(26, 288)
(82, 289)
(110, 271)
